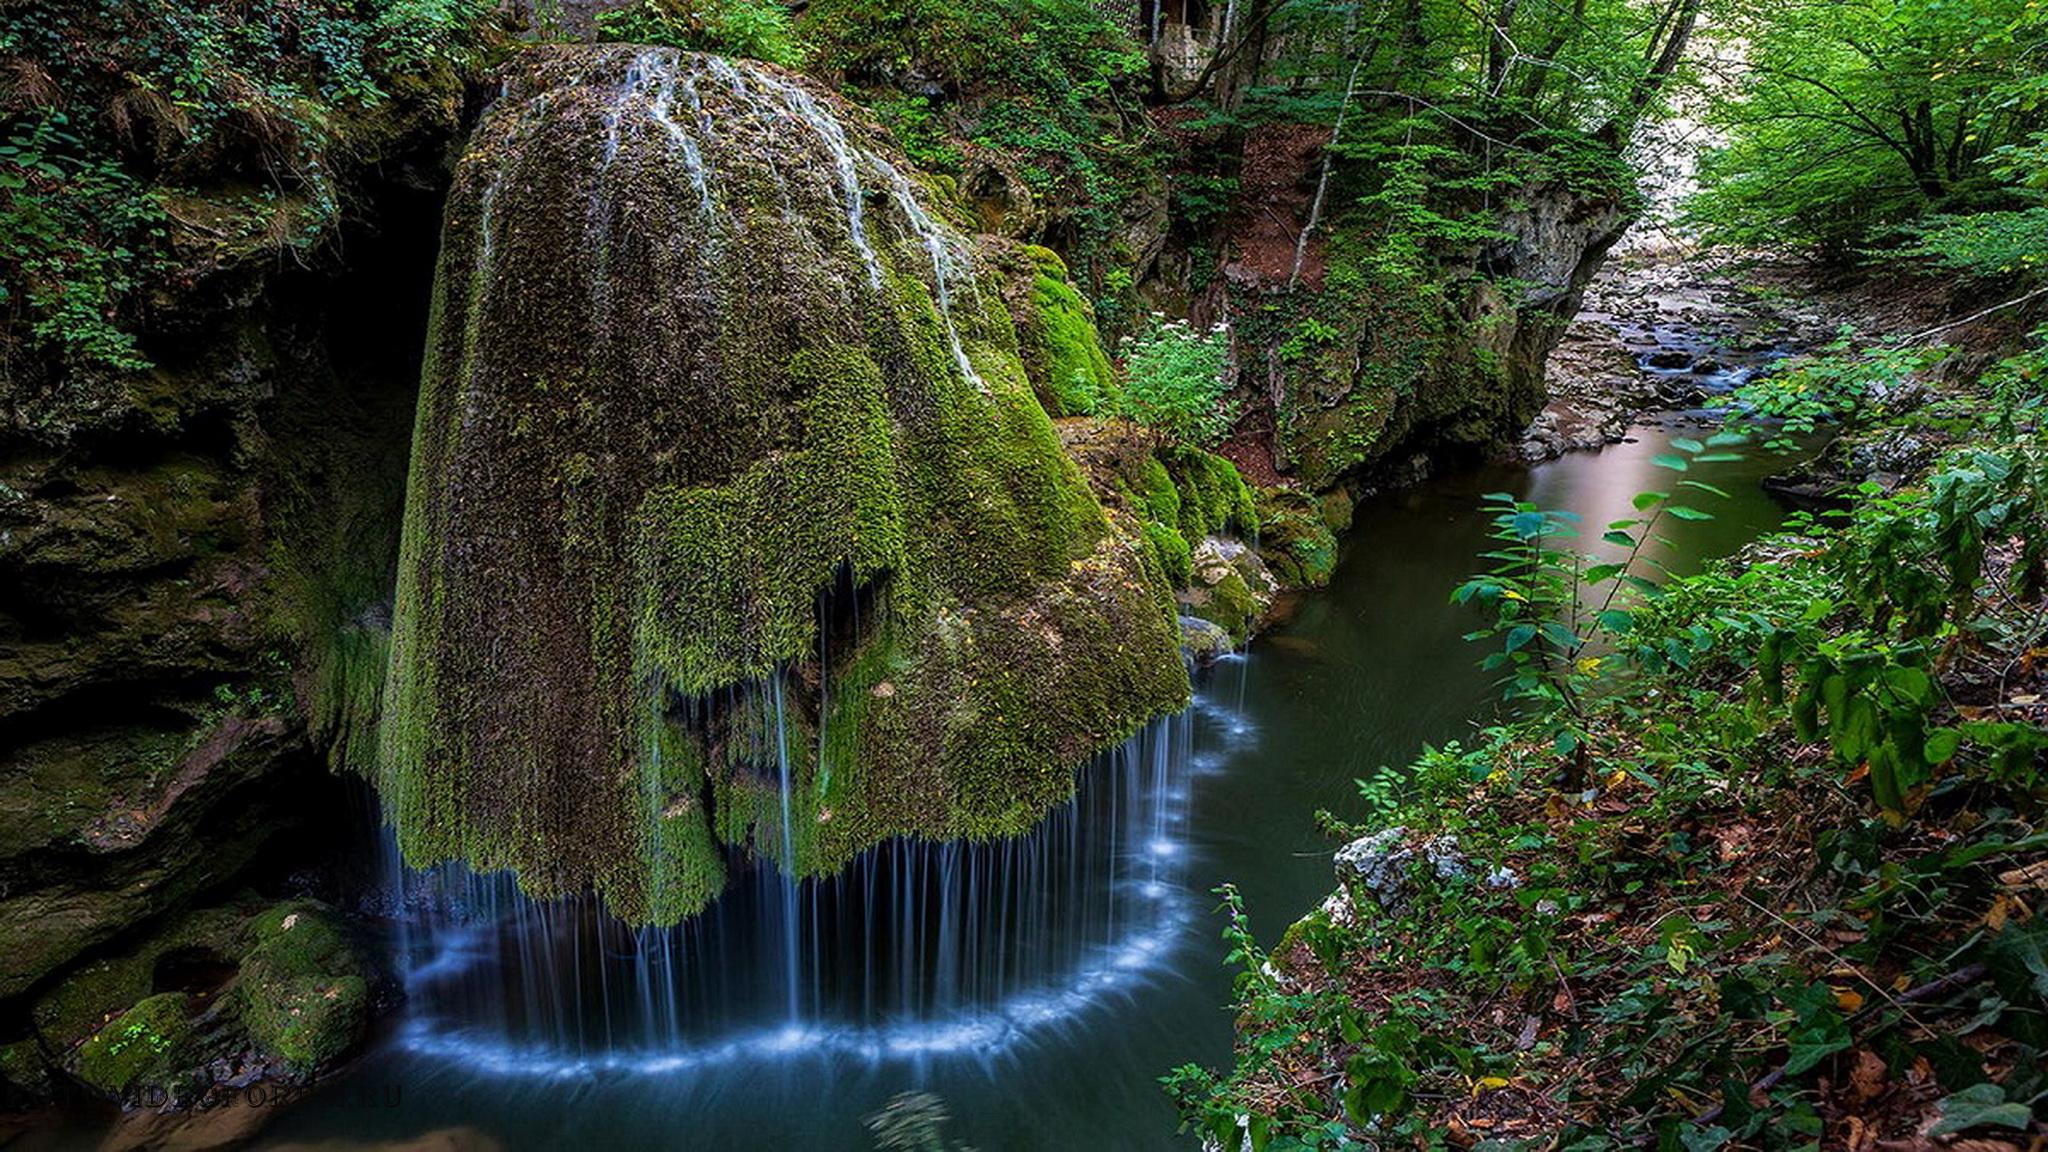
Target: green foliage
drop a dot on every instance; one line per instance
(1851, 118)
(122, 108)
(1795, 792)
(1550, 609)
(1997, 244)
(59, 198)
(755, 29)
(1177, 380)
(1794, 398)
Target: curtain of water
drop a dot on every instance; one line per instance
(915, 946)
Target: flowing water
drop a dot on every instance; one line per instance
(1039, 986)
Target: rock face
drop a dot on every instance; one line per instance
(1359, 366)
(181, 552)
(1379, 868)
(732, 517)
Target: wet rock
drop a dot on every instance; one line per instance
(1205, 642)
(1229, 586)
(1669, 358)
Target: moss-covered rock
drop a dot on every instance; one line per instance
(1056, 336)
(1381, 355)
(24, 1074)
(1229, 586)
(1294, 538)
(147, 1046)
(727, 473)
(301, 992)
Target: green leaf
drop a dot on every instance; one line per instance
(1620, 539)
(1684, 513)
(1645, 500)
(1667, 460)
(1980, 1106)
(1686, 445)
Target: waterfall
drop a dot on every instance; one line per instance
(918, 949)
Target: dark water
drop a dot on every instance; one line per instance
(1110, 969)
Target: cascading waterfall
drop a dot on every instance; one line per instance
(918, 949)
(699, 435)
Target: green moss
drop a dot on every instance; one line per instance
(651, 480)
(1214, 498)
(1056, 337)
(1230, 606)
(301, 993)
(1171, 549)
(145, 1046)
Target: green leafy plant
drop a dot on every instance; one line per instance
(756, 29)
(1553, 611)
(1177, 380)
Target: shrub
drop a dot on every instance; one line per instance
(757, 29)
(1178, 380)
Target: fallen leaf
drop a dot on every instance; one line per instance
(1866, 1076)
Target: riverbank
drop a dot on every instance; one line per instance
(1764, 872)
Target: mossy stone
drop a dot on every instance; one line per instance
(300, 992)
(1294, 539)
(147, 1046)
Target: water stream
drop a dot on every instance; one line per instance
(1040, 986)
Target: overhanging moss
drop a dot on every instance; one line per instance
(727, 470)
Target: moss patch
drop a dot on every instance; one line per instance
(1056, 337)
(146, 1046)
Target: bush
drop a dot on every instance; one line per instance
(756, 29)
(1178, 380)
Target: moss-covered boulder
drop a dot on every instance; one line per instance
(301, 992)
(1295, 538)
(1056, 337)
(732, 516)
(148, 1046)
